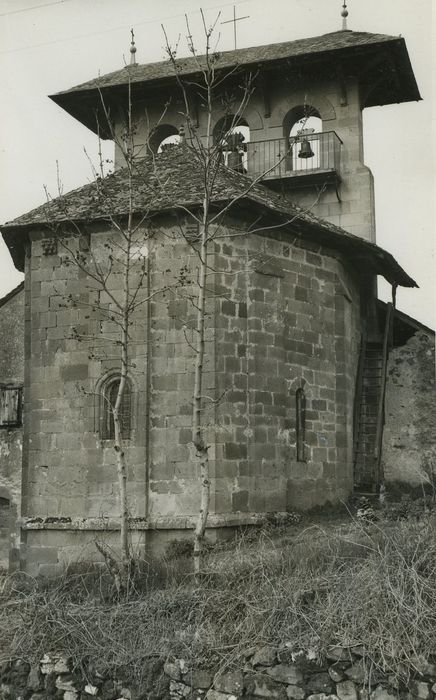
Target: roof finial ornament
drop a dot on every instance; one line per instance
(344, 15)
(132, 49)
(233, 21)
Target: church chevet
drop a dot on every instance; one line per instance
(301, 398)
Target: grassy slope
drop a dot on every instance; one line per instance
(310, 586)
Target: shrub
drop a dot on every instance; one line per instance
(366, 583)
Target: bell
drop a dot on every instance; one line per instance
(305, 150)
(234, 161)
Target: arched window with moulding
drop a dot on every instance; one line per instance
(162, 137)
(232, 133)
(108, 397)
(302, 129)
(300, 424)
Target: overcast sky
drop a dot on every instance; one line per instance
(48, 45)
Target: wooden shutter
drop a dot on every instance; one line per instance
(10, 406)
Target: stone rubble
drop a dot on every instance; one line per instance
(268, 674)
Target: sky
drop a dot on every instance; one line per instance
(50, 45)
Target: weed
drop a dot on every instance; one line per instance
(368, 582)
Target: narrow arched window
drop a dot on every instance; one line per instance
(125, 411)
(300, 413)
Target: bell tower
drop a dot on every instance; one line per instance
(301, 133)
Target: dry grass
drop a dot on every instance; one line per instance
(368, 584)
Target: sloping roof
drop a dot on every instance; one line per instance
(10, 295)
(355, 50)
(173, 180)
(405, 326)
(253, 55)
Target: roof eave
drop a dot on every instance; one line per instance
(73, 100)
(380, 261)
(16, 248)
(10, 295)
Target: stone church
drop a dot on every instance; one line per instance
(297, 351)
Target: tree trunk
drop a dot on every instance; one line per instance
(122, 475)
(197, 427)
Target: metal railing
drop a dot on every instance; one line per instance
(282, 158)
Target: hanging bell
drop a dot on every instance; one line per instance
(305, 150)
(234, 161)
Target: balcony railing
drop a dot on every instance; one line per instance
(282, 158)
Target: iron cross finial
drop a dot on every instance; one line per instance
(233, 21)
(132, 49)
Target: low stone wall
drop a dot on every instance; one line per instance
(285, 675)
(409, 445)
(55, 678)
(279, 673)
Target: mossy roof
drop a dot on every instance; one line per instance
(173, 181)
(253, 55)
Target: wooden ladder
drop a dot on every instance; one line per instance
(370, 409)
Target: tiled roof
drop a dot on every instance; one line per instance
(19, 288)
(254, 55)
(405, 326)
(380, 62)
(174, 180)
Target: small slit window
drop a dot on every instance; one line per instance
(300, 412)
(10, 406)
(125, 411)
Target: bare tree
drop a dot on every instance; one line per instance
(227, 90)
(123, 255)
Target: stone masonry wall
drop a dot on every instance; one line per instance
(71, 478)
(346, 674)
(278, 673)
(173, 471)
(70, 471)
(288, 318)
(282, 315)
(11, 439)
(409, 443)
